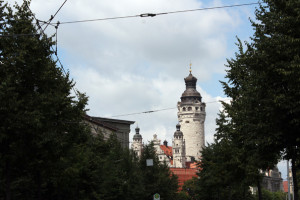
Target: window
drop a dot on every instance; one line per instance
(187, 122)
(189, 108)
(197, 108)
(201, 108)
(183, 109)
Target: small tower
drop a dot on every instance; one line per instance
(137, 144)
(191, 116)
(178, 149)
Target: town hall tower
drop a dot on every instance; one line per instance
(191, 116)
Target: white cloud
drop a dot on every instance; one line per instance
(138, 64)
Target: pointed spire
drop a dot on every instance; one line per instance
(190, 67)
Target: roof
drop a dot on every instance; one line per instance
(184, 175)
(94, 120)
(113, 120)
(167, 150)
(285, 186)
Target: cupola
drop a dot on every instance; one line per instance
(137, 133)
(178, 133)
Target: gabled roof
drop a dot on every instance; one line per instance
(167, 150)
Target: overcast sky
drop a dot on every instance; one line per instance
(133, 65)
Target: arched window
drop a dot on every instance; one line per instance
(183, 109)
(189, 108)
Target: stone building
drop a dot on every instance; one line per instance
(179, 156)
(272, 180)
(108, 126)
(191, 116)
(188, 139)
(137, 143)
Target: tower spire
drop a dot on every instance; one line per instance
(190, 67)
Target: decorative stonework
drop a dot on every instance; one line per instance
(191, 116)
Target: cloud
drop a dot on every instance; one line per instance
(138, 64)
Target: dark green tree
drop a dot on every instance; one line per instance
(121, 174)
(264, 84)
(40, 130)
(221, 173)
(157, 178)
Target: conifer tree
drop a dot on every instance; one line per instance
(40, 121)
(157, 178)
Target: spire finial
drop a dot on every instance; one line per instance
(190, 67)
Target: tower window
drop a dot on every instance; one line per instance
(201, 108)
(197, 108)
(187, 122)
(189, 108)
(183, 109)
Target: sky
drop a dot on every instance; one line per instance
(138, 64)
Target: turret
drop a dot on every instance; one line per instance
(137, 143)
(178, 148)
(191, 116)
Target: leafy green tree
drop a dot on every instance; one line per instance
(221, 173)
(157, 178)
(121, 174)
(267, 195)
(40, 127)
(264, 84)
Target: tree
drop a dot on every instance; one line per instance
(264, 84)
(222, 174)
(40, 125)
(157, 178)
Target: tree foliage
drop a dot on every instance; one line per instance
(264, 84)
(37, 140)
(157, 178)
(46, 149)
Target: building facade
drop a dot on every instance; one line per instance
(191, 116)
(188, 139)
(107, 126)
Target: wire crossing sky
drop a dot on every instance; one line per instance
(153, 14)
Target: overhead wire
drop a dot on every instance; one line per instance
(156, 14)
(163, 109)
(52, 16)
(43, 33)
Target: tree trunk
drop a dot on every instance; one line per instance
(259, 189)
(295, 182)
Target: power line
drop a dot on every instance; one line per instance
(20, 35)
(152, 111)
(43, 32)
(156, 14)
(52, 16)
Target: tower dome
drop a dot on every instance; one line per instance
(190, 94)
(137, 133)
(178, 133)
(191, 116)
